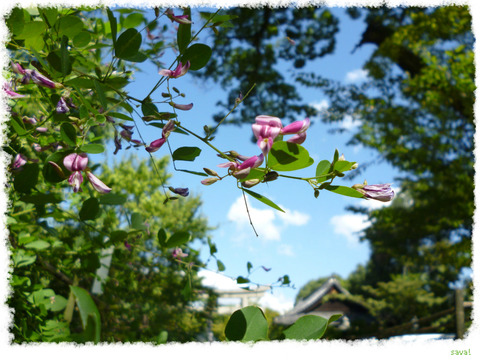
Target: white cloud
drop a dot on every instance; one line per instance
(276, 302)
(356, 75)
(349, 122)
(350, 226)
(217, 281)
(267, 222)
(294, 217)
(286, 250)
(321, 105)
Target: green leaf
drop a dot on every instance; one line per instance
(344, 190)
(80, 82)
(18, 126)
(38, 245)
(69, 26)
(343, 165)
(137, 221)
(33, 29)
(56, 303)
(87, 309)
(178, 239)
(133, 20)
(149, 109)
(162, 337)
(42, 199)
(198, 55)
(128, 44)
(193, 172)
(162, 237)
(242, 280)
(65, 59)
(27, 178)
(82, 39)
(247, 324)
(22, 258)
(100, 93)
(139, 57)
(113, 25)
(159, 116)
(68, 134)
(184, 33)
(263, 199)
(49, 15)
(323, 168)
(16, 21)
(112, 199)
(186, 153)
(118, 236)
(285, 156)
(220, 266)
(90, 209)
(118, 115)
(309, 327)
(92, 148)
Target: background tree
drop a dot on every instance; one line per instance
(250, 53)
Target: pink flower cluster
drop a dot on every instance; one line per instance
(76, 163)
(267, 128)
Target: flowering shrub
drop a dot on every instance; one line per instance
(65, 104)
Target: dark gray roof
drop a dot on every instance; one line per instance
(308, 304)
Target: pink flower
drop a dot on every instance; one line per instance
(381, 192)
(241, 170)
(17, 68)
(298, 128)
(19, 161)
(266, 129)
(78, 163)
(177, 253)
(40, 79)
(157, 144)
(97, 183)
(179, 71)
(181, 19)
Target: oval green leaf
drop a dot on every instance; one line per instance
(82, 39)
(186, 153)
(128, 44)
(27, 178)
(68, 134)
(285, 156)
(184, 33)
(69, 26)
(323, 168)
(90, 209)
(178, 239)
(309, 327)
(198, 55)
(247, 324)
(92, 148)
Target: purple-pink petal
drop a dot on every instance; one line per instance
(97, 183)
(19, 161)
(40, 79)
(298, 138)
(76, 162)
(181, 106)
(75, 180)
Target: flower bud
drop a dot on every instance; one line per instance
(250, 183)
(209, 181)
(210, 172)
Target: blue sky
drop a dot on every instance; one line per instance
(316, 237)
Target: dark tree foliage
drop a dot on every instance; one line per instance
(250, 53)
(416, 109)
